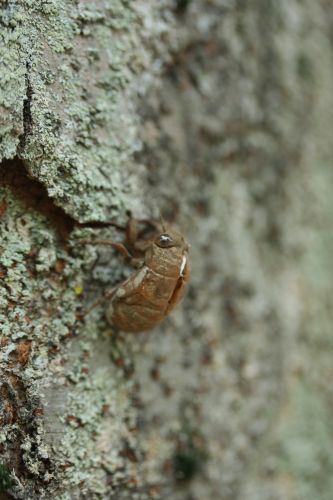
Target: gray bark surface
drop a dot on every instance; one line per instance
(216, 114)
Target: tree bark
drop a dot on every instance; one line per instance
(217, 115)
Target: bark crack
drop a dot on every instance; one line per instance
(27, 115)
(33, 194)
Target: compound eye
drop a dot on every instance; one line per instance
(165, 241)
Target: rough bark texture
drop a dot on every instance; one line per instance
(218, 114)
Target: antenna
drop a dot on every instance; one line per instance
(162, 223)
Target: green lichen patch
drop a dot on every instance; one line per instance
(13, 56)
(67, 72)
(38, 315)
(68, 112)
(98, 420)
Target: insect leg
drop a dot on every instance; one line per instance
(100, 225)
(115, 244)
(132, 231)
(135, 262)
(132, 228)
(106, 296)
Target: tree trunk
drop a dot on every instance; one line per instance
(218, 115)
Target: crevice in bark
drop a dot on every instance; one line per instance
(25, 415)
(33, 194)
(27, 115)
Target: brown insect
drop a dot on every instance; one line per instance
(151, 292)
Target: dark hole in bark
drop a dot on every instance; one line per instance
(6, 481)
(181, 6)
(27, 115)
(33, 194)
